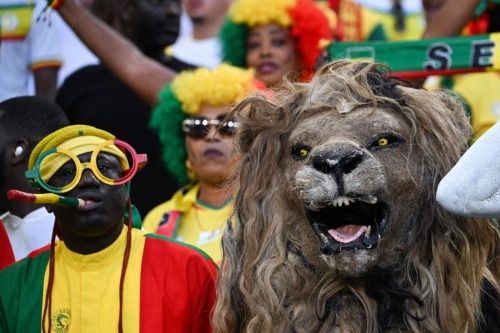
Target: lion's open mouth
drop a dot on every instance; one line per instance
(348, 223)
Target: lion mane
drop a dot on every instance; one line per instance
(418, 268)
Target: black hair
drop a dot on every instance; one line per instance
(494, 15)
(31, 117)
(383, 85)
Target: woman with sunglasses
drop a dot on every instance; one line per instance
(276, 37)
(197, 143)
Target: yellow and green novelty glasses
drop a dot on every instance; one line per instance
(105, 162)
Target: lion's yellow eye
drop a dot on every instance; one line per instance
(382, 142)
(303, 152)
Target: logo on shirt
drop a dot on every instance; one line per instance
(10, 22)
(61, 320)
(206, 237)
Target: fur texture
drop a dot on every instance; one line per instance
(353, 136)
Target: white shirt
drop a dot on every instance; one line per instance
(75, 54)
(30, 233)
(27, 44)
(198, 52)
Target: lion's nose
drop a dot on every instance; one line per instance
(338, 165)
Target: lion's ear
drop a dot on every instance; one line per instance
(256, 116)
(442, 110)
(440, 121)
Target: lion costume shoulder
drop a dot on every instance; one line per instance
(338, 225)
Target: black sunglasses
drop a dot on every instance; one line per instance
(198, 127)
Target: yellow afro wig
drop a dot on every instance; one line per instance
(225, 85)
(261, 12)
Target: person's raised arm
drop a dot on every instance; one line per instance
(46, 82)
(449, 18)
(143, 75)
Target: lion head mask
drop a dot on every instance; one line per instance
(336, 224)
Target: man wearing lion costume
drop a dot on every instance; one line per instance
(338, 229)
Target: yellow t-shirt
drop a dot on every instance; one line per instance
(86, 290)
(198, 224)
(203, 225)
(481, 91)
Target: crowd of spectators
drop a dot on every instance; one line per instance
(129, 69)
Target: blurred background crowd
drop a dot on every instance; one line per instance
(179, 67)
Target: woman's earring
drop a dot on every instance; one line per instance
(190, 172)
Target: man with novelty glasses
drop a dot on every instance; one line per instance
(104, 275)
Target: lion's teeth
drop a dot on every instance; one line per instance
(369, 199)
(368, 231)
(314, 205)
(342, 201)
(339, 201)
(323, 238)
